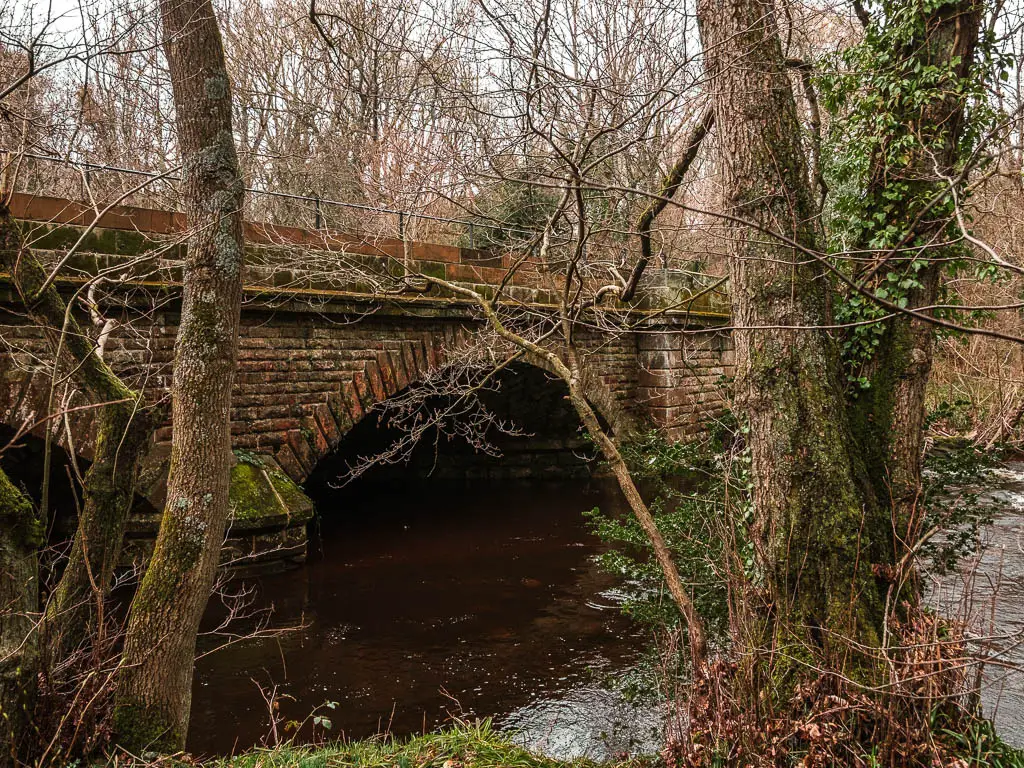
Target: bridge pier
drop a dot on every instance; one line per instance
(269, 514)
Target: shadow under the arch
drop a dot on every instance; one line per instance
(543, 441)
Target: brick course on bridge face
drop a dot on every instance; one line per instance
(313, 360)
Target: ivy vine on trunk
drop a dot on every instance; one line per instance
(907, 142)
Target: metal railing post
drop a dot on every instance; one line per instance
(318, 218)
(472, 238)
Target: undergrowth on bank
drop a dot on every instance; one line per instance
(478, 745)
(687, 486)
(923, 710)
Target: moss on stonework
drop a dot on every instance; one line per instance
(62, 237)
(18, 517)
(430, 268)
(263, 497)
(133, 243)
(249, 497)
(297, 502)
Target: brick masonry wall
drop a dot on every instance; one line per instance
(305, 378)
(683, 379)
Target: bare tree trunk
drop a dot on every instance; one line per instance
(811, 511)
(154, 692)
(21, 536)
(669, 185)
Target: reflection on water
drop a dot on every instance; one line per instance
(586, 721)
(988, 594)
(427, 601)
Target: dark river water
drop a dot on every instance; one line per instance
(425, 602)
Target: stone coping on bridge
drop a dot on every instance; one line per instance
(288, 264)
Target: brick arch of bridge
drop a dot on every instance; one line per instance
(299, 428)
(316, 351)
(318, 348)
(306, 376)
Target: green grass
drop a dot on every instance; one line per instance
(467, 745)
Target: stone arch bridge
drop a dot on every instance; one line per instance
(321, 344)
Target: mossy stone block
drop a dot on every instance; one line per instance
(264, 497)
(132, 243)
(47, 238)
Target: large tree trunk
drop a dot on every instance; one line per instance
(890, 414)
(21, 535)
(813, 519)
(109, 483)
(154, 692)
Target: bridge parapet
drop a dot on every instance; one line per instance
(149, 245)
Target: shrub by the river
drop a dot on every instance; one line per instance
(920, 707)
(478, 745)
(688, 487)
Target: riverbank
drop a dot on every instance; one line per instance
(478, 745)
(467, 745)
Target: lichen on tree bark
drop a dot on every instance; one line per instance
(154, 692)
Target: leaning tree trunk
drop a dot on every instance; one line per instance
(812, 517)
(109, 483)
(74, 609)
(154, 692)
(21, 535)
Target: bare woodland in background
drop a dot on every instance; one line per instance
(420, 109)
(610, 146)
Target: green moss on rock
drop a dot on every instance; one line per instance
(24, 528)
(143, 731)
(263, 497)
(297, 502)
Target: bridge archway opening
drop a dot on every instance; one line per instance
(524, 429)
(454, 574)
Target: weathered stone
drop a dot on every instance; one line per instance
(264, 497)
